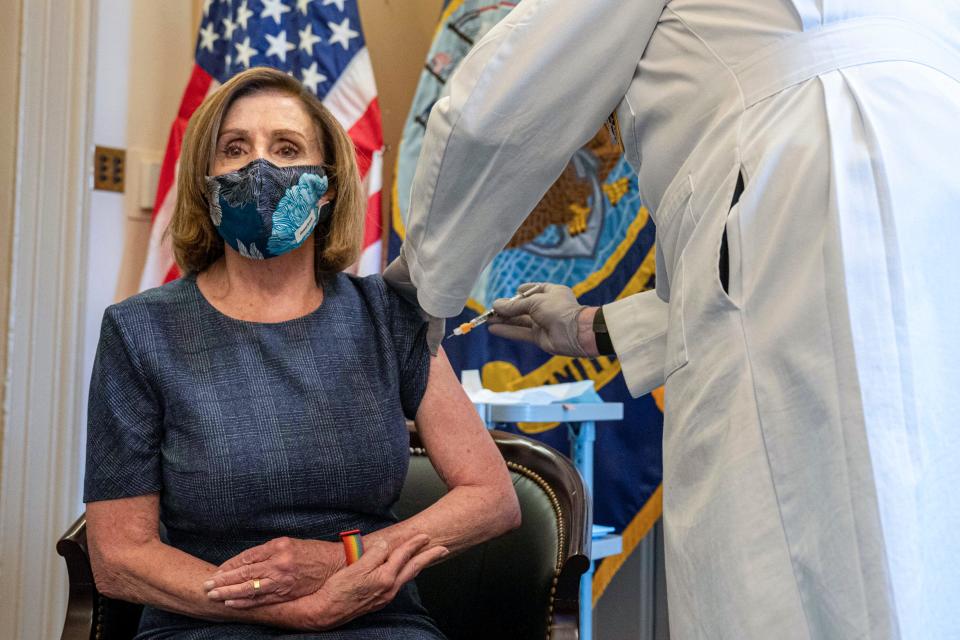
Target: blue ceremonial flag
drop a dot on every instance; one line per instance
(590, 232)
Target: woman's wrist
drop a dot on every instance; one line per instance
(338, 557)
(302, 614)
(326, 558)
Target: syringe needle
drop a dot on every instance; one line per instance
(467, 327)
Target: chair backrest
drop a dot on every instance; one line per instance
(525, 584)
(522, 585)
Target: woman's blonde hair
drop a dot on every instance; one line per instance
(196, 243)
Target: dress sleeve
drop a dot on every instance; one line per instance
(124, 421)
(638, 330)
(532, 91)
(408, 330)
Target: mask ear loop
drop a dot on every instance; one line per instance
(325, 212)
(321, 234)
(324, 216)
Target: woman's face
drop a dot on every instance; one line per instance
(269, 125)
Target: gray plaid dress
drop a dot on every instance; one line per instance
(251, 431)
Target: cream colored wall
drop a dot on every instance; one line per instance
(10, 80)
(162, 38)
(398, 34)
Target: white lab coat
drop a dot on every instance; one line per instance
(811, 445)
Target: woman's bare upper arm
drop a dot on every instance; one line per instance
(113, 525)
(455, 437)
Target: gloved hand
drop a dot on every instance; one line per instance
(397, 275)
(549, 316)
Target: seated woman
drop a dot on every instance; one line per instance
(255, 407)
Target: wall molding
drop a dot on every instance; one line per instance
(9, 79)
(43, 439)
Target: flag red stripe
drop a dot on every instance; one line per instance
(172, 274)
(193, 95)
(367, 136)
(196, 91)
(371, 229)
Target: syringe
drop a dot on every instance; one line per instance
(467, 327)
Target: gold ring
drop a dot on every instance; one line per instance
(256, 587)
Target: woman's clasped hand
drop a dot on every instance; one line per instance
(325, 592)
(370, 583)
(289, 569)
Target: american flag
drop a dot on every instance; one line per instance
(319, 42)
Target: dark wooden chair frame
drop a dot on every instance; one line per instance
(93, 616)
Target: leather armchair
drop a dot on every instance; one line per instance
(523, 585)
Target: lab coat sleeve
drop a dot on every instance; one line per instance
(638, 331)
(537, 87)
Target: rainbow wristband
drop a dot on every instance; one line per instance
(352, 545)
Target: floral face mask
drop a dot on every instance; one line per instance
(264, 211)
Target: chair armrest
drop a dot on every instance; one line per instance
(90, 614)
(80, 606)
(566, 602)
(565, 628)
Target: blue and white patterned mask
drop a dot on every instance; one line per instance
(264, 211)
